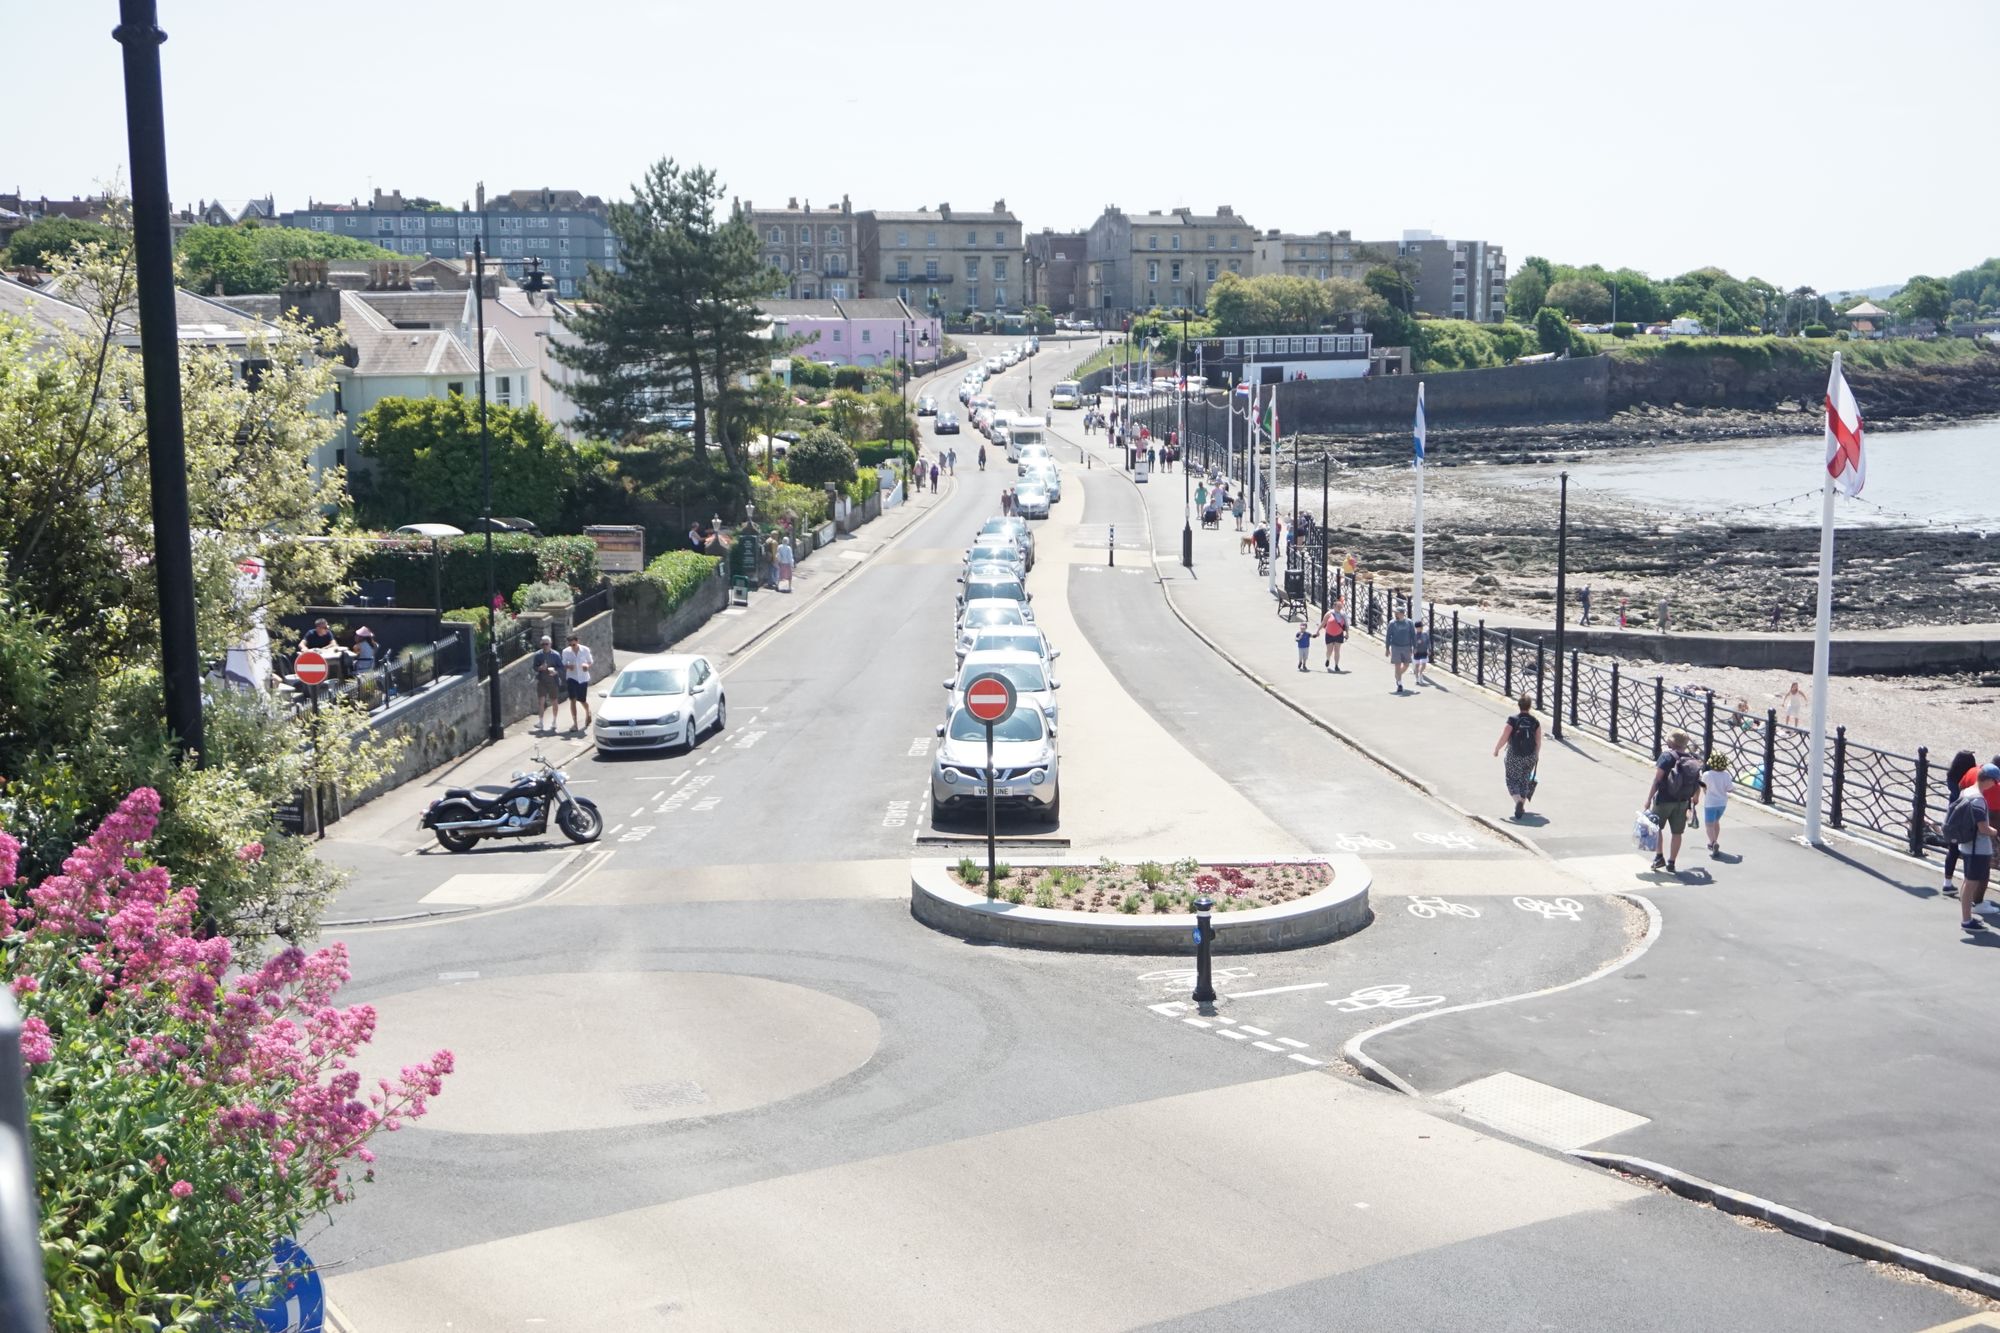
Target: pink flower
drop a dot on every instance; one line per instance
(25, 986)
(180, 1189)
(37, 1047)
(251, 851)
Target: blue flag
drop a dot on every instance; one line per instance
(1420, 424)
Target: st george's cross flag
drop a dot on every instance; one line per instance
(1845, 462)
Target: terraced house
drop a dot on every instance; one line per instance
(1147, 261)
(816, 250)
(943, 260)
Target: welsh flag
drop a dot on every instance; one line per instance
(1844, 460)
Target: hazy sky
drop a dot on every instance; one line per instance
(1835, 143)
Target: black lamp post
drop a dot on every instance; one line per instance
(1562, 591)
(496, 726)
(138, 31)
(1180, 447)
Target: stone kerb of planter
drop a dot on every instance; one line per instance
(942, 903)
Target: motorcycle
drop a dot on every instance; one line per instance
(463, 815)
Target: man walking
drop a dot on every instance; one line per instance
(548, 669)
(1399, 642)
(576, 662)
(951, 460)
(1586, 605)
(1969, 824)
(1676, 783)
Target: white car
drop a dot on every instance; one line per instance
(986, 614)
(668, 699)
(1029, 454)
(1045, 475)
(1002, 550)
(1008, 638)
(1026, 672)
(1025, 771)
(995, 364)
(1031, 500)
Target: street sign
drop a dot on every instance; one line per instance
(990, 699)
(310, 668)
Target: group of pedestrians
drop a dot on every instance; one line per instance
(1968, 835)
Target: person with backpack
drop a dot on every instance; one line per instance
(1304, 639)
(1962, 763)
(1968, 825)
(1969, 782)
(1676, 783)
(1715, 784)
(1336, 635)
(1522, 739)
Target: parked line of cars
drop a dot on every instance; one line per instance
(995, 632)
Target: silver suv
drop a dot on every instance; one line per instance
(1024, 766)
(1026, 672)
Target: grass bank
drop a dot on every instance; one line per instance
(1770, 353)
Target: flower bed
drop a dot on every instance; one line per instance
(1148, 887)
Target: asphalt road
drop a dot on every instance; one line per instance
(719, 1078)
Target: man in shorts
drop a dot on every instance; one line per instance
(576, 679)
(548, 669)
(1399, 642)
(1335, 629)
(1676, 782)
(1976, 854)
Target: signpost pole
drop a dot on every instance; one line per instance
(319, 814)
(992, 865)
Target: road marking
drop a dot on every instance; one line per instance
(1233, 1036)
(458, 976)
(639, 831)
(1171, 1008)
(1308, 1060)
(613, 829)
(484, 890)
(640, 811)
(1293, 1042)
(1383, 997)
(660, 795)
(1276, 990)
(1267, 1046)
(1362, 842)
(1427, 908)
(1458, 842)
(920, 747)
(1256, 1031)
(897, 814)
(1198, 1022)
(1184, 976)
(1568, 909)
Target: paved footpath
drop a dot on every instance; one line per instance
(1796, 1028)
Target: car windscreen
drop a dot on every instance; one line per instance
(1008, 590)
(1024, 725)
(1006, 641)
(1009, 614)
(650, 680)
(1006, 555)
(1025, 677)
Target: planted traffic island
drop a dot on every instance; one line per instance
(1144, 907)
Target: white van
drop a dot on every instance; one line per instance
(1024, 430)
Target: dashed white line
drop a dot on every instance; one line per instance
(1197, 1022)
(1267, 1046)
(1275, 990)
(661, 795)
(1235, 1036)
(640, 811)
(1258, 1032)
(613, 829)
(1170, 1008)
(1307, 1060)
(1293, 1043)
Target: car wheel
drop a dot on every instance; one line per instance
(721, 714)
(1053, 812)
(937, 813)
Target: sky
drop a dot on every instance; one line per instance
(1835, 144)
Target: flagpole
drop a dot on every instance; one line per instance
(1417, 576)
(1822, 645)
(1271, 493)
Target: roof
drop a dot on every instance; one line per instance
(1157, 219)
(432, 310)
(198, 318)
(46, 314)
(380, 348)
(1867, 310)
(887, 308)
(926, 215)
(801, 309)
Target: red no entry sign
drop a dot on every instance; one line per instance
(990, 699)
(310, 667)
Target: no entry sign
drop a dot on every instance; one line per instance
(990, 699)
(310, 668)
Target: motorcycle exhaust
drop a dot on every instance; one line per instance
(473, 825)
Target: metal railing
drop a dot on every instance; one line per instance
(1899, 799)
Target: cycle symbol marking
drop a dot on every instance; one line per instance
(1566, 908)
(1362, 842)
(1456, 842)
(1383, 997)
(1429, 908)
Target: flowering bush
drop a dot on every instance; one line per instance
(183, 1118)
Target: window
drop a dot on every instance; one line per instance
(902, 238)
(1312, 344)
(567, 287)
(972, 295)
(930, 296)
(413, 224)
(999, 269)
(972, 238)
(1152, 241)
(1176, 297)
(902, 293)
(837, 291)
(999, 297)
(1211, 240)
(833, 236)
(1175, 270)
(775, 236)
(564, 244)
(930, 268)
(562, 224)
(836, 333)
(456, 388)
(503, 390)
(1152, 270)
(1174, 241)
(971, 268)
(610, 246)
(903, 266)
(1000, 238)
(776, 261)
(930, 236)
(868, 335)
(352, 223)
(508, 246)
(1232, 242)
(1212, 268)
(1235, 266)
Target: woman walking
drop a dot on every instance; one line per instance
(785, 561)
(1954, 777)
(1522, 739)
(1335, 629)
(1715, 783)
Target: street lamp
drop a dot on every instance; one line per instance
(1180, 448)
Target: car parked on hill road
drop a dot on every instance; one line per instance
(1025, 766)
(665, 699)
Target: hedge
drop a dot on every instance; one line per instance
(775, 499)
(877, 452)
(867, 482)
(517, 559)
(675, 576)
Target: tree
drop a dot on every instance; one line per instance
(1552, 330)
(426, 453)
(1925, 298)
(224, 257)
(77, 587)
(821, 457)
(1393, 286)
(854, 416)
(1581, 299)
(36, 244)
(680, 322)
(1529, 289)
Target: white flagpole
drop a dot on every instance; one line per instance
(1229, 424)
(1417, 577)
(1271, 493)
(1822, 648)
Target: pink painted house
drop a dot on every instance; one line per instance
(856, 332)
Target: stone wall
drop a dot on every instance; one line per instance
(646, 626)
(1574, 390)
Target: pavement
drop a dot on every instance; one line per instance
(712, 1075)
(1791, 1031)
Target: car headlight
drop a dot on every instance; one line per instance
(951, 777)
(1038, 777)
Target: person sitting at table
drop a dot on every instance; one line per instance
(319, 636)
(364, 648)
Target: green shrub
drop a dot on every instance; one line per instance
(1816, 331)
(1161, 902)
(969, 870)
(1623, 330)
(1017, 893)
(1152, 874)
(1045, 894)
(529, 596)
(866, 483)
(811, 374)
(821, 457)
(804, 505)
(1131, 904)
(475, 616)
(675, 576)
(460, 577)
(877, 452)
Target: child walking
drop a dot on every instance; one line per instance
(1304, 639)
(1715, 783)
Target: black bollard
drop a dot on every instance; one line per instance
(1111, 546)
(1204, 938)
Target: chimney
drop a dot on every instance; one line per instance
(845, 206)
(999, 205)
(479, 196)
(307, 292)
(944, 210)
(1224, 211)
(792, 203)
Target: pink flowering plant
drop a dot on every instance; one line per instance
(184, 1113)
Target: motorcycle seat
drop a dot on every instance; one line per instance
(473, 793)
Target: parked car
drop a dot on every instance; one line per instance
(666, 699)
(501, 524)
(1009, 639)
(1033, 685)
(946, 424)
(1031, 499)
(1018, 527)
(988, 613)
(1000, 551)
(1025, 766)
(926, 406)
(1046, 475)
(429, 530)
(995, 364)
(992, 587)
